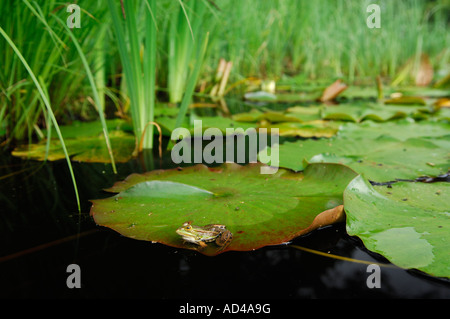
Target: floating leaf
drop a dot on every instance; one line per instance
(381, 157)
(400, 130)
(311, 129)
(305, 113)
(83, 149)
(262, 96)
(390, 160)
(443, 82)
(259, 209)
(423, 91)
(85, 142)
(443, 102)
(406, 100)
(424, 74)
(378, 113)
(407, 223)
(79, 129)
(331, 92)
(289, 123)
(253, 116)
(270, 116)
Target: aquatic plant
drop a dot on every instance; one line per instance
(139, 73)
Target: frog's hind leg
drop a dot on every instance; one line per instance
(224, 242)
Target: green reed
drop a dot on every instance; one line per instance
(162, 45)
(49, 51)
(184, 39)
(44, 97)
(324, 39)
(139, 73)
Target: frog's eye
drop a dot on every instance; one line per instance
(188, 227)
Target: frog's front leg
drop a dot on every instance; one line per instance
(202, 244)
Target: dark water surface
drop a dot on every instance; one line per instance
(38, 216)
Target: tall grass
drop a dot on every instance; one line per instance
(98, 103)
(39, 52)
(44, 96)
(139, 73)
(50, 53)
(328, 38)
(159, 43)
(185, 38)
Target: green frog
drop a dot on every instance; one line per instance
(208, 233)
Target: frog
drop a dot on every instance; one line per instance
(201, 235)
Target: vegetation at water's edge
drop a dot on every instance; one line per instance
(287, 40)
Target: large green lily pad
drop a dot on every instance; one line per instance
(383, 152)
(406, 222)
(259, 209)
(383, 159)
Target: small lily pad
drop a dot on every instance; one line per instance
(290, 123)
(406, 100)
(83, 149)
(375, 112)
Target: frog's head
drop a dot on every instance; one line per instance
(186, 230)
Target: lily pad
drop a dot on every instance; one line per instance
(400, 130)
(332, 91)
(406, 100)
(289, 97)
(407, 223)
(270, 116)
(289, 124)
(78, 129)
(390, 160)
(83, 149)
(373, 151)
(259, 209)
(305, 113)
(306, 130)
(375, 112)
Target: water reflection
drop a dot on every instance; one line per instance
(395, 282)
(37, 207)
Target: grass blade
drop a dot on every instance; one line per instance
(192, 82)
(150, 72)
(49, 109)
(94, 92)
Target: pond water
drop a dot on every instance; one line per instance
(39, 223)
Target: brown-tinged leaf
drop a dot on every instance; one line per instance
(331, 92)
(443, 102)
(424, 74)
(325, 218)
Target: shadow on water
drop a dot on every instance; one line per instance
(39, 219)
